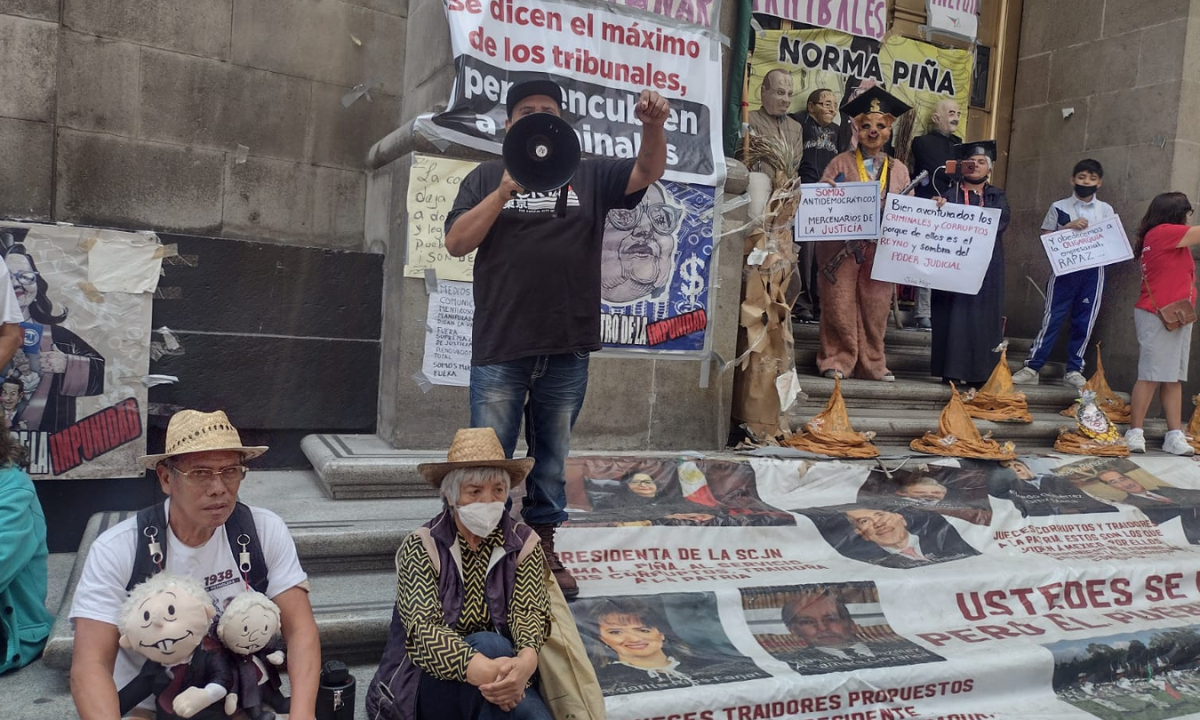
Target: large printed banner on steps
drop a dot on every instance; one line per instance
(1048, 587)
(73, 394)
(603, 56)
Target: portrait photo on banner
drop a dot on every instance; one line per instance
(631, 492)
(1030, 484)
(909, 537)
(1122, 482)
(825, 628)
(658, 642)
(945, 490)
(918, 73)
(1148, 674)
(655, 270)
(72, 392)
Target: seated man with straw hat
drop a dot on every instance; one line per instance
(472, 609)
(201, 531)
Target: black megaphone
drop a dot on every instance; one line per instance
(541, 152)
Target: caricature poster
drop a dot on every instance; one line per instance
(73, 394)
(655, 270)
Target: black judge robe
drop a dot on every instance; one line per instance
(968, 328)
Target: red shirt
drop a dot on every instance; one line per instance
(1169, 269)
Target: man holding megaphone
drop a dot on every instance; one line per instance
(538, 228)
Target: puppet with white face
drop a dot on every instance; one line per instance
(166, 620)
(248, 629)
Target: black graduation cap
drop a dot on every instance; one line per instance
(876, 100)
(976, 147)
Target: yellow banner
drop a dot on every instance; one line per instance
(918, 73)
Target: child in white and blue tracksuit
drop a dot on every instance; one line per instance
(1075, 296)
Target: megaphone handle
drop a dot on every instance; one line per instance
(560, 207)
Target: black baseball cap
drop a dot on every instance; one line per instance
(525, 88)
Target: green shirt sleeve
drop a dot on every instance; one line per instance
(529, 609)
(432, 645)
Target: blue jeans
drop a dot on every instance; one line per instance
(547, 392)
(450, 700)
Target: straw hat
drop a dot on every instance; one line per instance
(192, 431)
(472, 448)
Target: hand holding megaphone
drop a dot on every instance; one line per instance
(508, 188)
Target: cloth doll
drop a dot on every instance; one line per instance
(166, 620)
(248, 629)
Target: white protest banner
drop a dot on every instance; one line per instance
(833, 590)
(602, 56)
(956, 17)
(946, 249)
(864, 18)
(846, 212)
(706, 13)
(1104, 242)
(448, 334)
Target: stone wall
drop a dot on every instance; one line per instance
(129, 113)
(1102, 79)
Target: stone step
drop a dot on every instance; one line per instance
(919, 392)
(898, 427)
(364, 467)
(809, 334)
(914, 360)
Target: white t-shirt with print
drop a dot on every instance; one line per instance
(101, 589)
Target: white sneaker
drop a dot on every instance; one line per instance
(1176, 443)
(1075, 379)
(1025, 376)
(1136, 440)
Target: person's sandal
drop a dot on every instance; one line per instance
(833, 374)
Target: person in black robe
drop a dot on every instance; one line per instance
(968, 329)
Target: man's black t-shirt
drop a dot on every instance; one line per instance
(537, 276)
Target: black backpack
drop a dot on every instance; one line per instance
(151, 555)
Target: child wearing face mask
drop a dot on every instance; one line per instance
(1074, 297)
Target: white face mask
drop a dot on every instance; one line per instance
(481, 518)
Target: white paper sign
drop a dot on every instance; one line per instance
(448, 334)
(846, 212)
(946, 249)
(1104, 242)
(957, 17)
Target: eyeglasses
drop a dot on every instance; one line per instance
(25, 277)
(663, 218)
(201, 477)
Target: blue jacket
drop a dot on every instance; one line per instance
(23, 615)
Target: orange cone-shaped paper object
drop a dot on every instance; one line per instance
(998, 400)
(1193, 426)
(957, 436)
(829, 433)
(1113, 405)
(1094, 433)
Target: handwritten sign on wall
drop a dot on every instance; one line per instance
(448, 334)
(432, 186)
